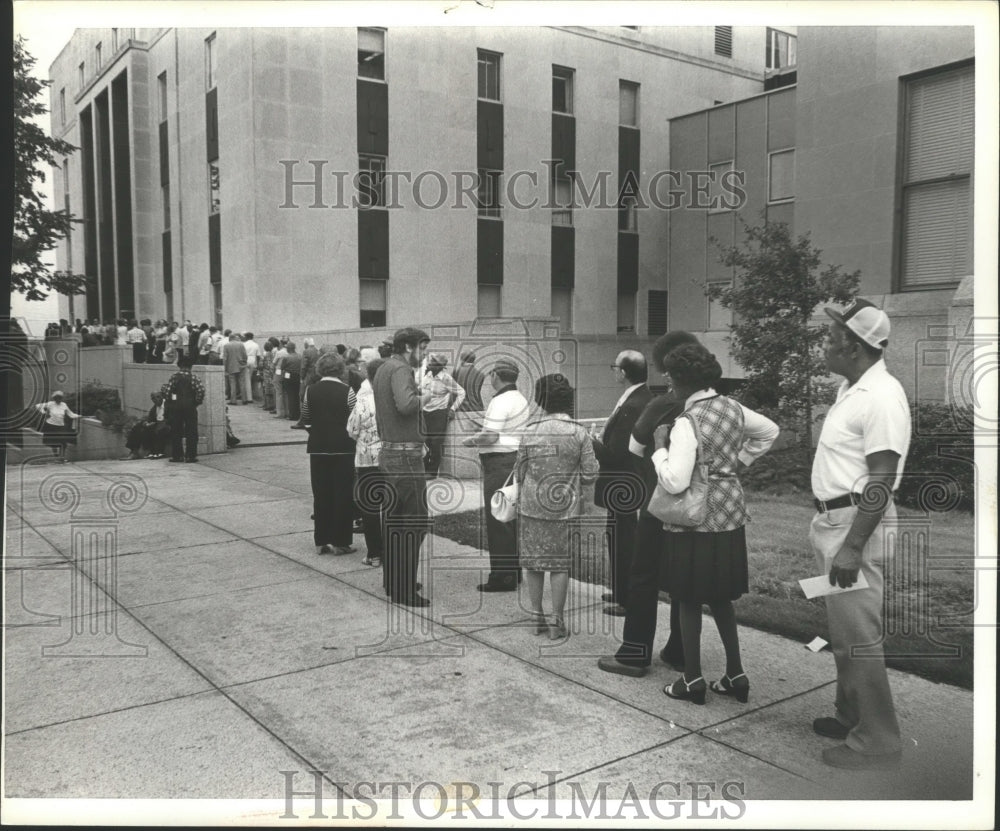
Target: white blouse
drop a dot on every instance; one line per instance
(675, 466)
(56, 413)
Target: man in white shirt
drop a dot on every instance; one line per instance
(858, 465)
(253, 364)
(498, 442)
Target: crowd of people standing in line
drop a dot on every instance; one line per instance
(376, 421)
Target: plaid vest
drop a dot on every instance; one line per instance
(720, 422)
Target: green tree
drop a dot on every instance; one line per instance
(36, 228)
(778, 285)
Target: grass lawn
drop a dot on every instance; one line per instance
(929, 605)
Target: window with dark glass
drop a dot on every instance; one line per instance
(489, 75)
(780, 49)
(628, 104)
(488, 193)
(562, 90)
(371, 181)
(214, 190)
(371, 54)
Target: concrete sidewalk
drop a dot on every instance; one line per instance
(194, 645)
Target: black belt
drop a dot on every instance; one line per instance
(844, 501)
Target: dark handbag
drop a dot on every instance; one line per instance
(690, 507)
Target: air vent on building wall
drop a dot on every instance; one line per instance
(724, 41)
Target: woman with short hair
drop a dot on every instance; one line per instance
(56, 432)
(707, 563)
(554, 461)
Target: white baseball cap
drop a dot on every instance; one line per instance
(866, 320)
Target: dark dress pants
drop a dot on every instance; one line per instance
(501, 537)
(184, 433)
(368, 492)
(643, 597)
(332, 478)
(291, 388)
(621, 533)
(435, 425)
(406, 524)
(139, 353)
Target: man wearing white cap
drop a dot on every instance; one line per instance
(858, 464)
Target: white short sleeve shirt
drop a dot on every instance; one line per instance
(506, 415)
(871, 415)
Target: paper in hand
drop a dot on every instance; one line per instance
(820, 586)
(816, 644)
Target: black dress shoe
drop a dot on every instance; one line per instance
(489, 586)
(412, 600)
(609, 663)
(615, 610)
(830, 728)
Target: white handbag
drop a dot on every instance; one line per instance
(503, 505)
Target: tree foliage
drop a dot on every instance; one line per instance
(778, 285)
(36, 228)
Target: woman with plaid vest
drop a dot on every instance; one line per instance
(707, 563)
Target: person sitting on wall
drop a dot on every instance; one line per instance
(151, 434)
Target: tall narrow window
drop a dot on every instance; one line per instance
(488, 195)
(214, 190)
(97, 58)
(628, 104)
(81, 74)
(161, 95)
(371, 54)
(114, 40)
(562, 307)
(489, 75)
(724, 41)
(562, 90)
(489, 300)
(371, 181)
(165, 200)
(780, 50)
(217, 303)
(936, 187)
(62, 105)
(719, 317)
(628, 214)
(211, 61)
(781, 176)
(562, 201)
(373, 302)
(626, 311)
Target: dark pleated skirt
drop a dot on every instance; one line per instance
(705, 566)
(53, 435)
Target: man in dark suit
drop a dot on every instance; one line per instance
(619, 488)
(635, 653)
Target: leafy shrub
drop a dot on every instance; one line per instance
(939, 474)
(94, 397)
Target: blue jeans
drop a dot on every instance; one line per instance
(406, 519)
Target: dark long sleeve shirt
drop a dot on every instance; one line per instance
(397, 402)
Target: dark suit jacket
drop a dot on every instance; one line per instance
(328, 412)
(617, 464)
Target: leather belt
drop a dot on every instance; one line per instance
(844, 501)
(402, 445)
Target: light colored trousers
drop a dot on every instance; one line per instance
(248, 385)
(864, 700)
